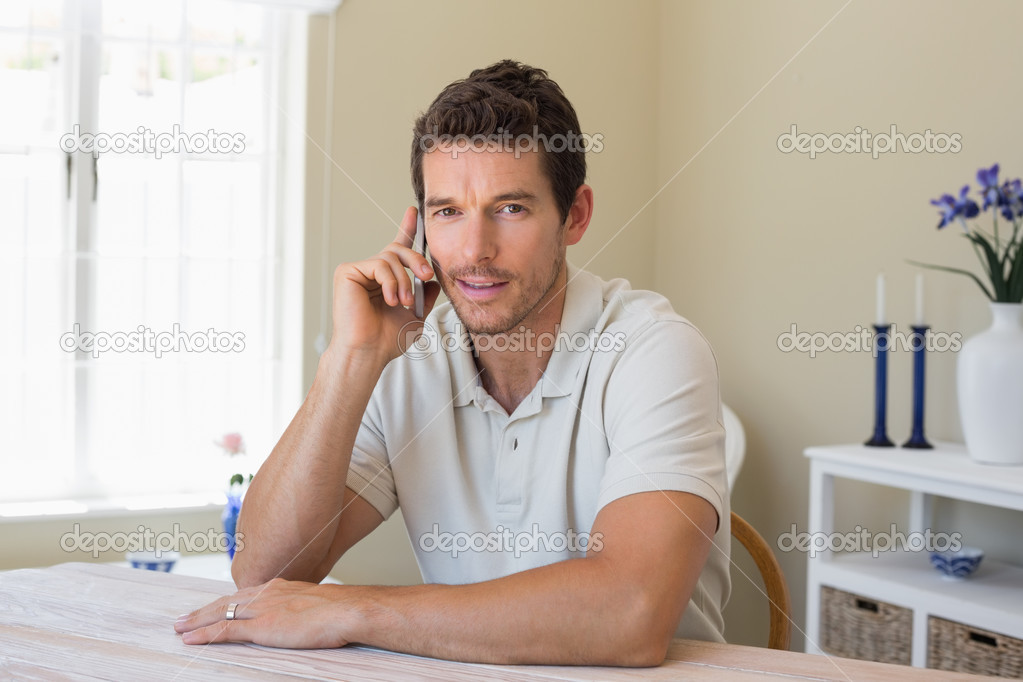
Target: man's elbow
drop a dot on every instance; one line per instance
(246, 570)
(242, 573)
(643, 637)
(647, 654)
(641, 651)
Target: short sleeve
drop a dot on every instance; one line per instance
(662, 414)
(369, 473)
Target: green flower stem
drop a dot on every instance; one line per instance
(958, 271)
(980, 257)
(994, 220)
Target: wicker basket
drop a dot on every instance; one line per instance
(860, 627)
(961, 648)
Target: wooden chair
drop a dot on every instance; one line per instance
(777, 589)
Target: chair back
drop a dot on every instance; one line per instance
(780, 632)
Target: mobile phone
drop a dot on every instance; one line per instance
(419, 246)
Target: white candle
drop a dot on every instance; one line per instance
(920, 299)
(880, 300)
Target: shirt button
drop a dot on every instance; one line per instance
(515, 444)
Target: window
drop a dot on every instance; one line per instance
(144, 266)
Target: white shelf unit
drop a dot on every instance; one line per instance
(991, 599)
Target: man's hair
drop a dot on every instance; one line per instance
(503, 102)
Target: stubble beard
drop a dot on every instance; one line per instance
(474, 316)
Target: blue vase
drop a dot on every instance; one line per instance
(230, 520)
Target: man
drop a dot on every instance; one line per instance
(556, 449)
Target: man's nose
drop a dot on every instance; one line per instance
(479, 239)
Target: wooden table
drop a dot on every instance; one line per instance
(92, 621)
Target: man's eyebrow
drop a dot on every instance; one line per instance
(434, 202)
(514, 195)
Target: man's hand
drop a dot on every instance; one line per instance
(280, 613)
(370, 297)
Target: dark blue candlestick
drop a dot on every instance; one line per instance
(882, 341)
(916, 438)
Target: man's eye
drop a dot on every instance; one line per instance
(513, 208)
(446, 212)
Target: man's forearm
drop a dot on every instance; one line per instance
(575, 612)
(291, 511)
(618, 606)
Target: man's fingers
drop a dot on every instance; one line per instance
(401, 278)
(374, 273)
(387, 271)
(405, 239)
(394, 271)
(217, 611)
(223, 631)
(407, 229)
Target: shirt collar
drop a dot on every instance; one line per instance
(584, 303)
(465, 376)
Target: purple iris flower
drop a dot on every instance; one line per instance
(988, 180)
(952, 208)
(1012, 199)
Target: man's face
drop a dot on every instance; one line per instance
(495, 237)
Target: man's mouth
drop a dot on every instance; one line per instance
(480, 290)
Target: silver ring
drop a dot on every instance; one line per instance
(230, 611)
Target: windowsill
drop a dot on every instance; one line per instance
(53, 510)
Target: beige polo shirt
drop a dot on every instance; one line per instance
(629, 403)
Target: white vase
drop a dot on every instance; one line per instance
(990, 377)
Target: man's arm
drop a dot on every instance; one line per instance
(617, 606)
(298, 517)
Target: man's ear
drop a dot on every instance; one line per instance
(579, 215)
